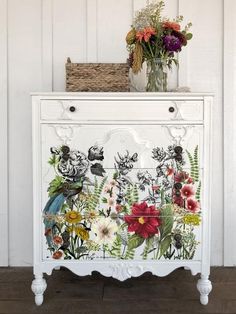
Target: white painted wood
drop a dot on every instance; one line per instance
(111, 32)
(46, 135)
(24, 66)
(92, 27)
(47, 45)
(201, 69)
(69, 37)
(3, 134)
(118, 110)
(229, 132)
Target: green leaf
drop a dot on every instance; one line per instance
(164, 245)
(53, 160)
(76, 185)
(189, 36)
(167, 221)
(55, 185)
(135, 241)
(104, 200)
(115, 175)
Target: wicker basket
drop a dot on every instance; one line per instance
(97, 77)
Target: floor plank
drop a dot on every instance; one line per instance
(69, 294)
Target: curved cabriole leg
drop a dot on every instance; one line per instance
(38, 287)
(204, 286)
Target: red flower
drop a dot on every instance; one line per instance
(178, 200)
(145, 34)
(193, 205)
(187, 191)
(144, 220)
(181, 176)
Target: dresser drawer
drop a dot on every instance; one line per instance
(116, 110)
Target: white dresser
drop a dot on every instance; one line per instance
(122, 184)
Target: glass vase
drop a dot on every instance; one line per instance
(157, 75)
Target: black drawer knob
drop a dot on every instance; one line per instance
(171, 109)
(72, 109)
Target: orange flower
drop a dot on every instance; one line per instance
(145, 34)
(57, 240)
(172, 25)
(57, 255)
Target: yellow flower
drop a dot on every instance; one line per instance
(82, 233)
(192, 219)
(83, 196)
(73, 217)
(70, 229)
(90, 215)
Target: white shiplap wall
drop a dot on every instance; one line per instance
(36, 37)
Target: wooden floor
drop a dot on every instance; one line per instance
(69, 294)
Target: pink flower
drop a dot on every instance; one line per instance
(190, 180)
(113, 183)
(178, 200)
(111, 201)
(155, 187)
(187, 191)
(118, 208)
(193, 205)
(181, 176)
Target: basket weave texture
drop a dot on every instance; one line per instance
(97, 77)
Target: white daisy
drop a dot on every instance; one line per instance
(104, 229)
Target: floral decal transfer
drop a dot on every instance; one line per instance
(129, 213)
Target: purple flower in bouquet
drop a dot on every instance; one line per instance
(172, 43)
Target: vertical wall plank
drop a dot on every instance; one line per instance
(138, 4)
(229, 132)
(91, 34)
(24, 76)
(3, 135)
(47, 42)
(201, 69)
(111, 31)
(69, 37)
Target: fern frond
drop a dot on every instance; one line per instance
(135, 194)
(95, 197)
(198, 192)
(196, 166)
(115, 250)
(191, 161)
(129, 195)
(129, 254)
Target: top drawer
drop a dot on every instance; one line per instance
(121, 110)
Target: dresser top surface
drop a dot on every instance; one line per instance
(127, 95)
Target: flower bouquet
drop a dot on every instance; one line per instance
(156, 40)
